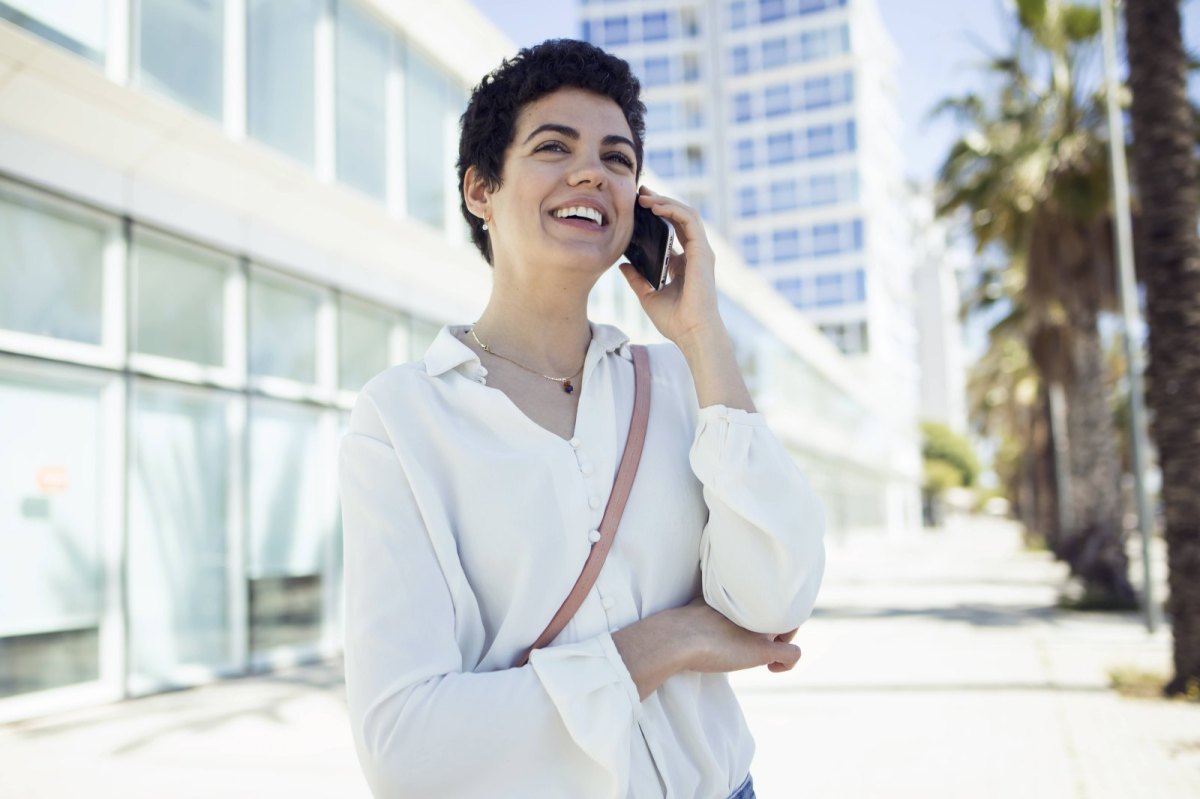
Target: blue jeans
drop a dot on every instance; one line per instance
(746, 791)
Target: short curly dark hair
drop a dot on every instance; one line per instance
(489, 123)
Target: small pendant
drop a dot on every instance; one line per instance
(567, 387)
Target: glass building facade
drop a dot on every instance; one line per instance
(170, 408)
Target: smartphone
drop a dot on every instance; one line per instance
(650, 247)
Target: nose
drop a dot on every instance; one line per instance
(588, 168)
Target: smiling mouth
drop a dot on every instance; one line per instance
(580, 216)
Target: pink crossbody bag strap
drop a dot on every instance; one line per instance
(616, 502)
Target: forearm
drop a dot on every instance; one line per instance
(653, 649)
(711, 357)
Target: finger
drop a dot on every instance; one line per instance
(784, 657)
(786, 638)
(687, 222)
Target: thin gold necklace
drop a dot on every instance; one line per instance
(565, 381)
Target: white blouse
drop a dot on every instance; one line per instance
(466, 524)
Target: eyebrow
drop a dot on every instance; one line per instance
(573, 134)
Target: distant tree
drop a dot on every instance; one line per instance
(1164, 159)
(1032, 175)
(949, 450)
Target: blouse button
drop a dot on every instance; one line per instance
(607, 602)
(594, 501)
(586, 468)
(575, 443)
(593, 536)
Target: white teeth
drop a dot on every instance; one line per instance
(580, 210)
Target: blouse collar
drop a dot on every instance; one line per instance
(448, 352)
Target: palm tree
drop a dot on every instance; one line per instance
(1033, 173)
(1164, 158)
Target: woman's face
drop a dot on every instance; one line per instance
(569, 184)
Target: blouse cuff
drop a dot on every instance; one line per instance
(711, 413)
(586, 681)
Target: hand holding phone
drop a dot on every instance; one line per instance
(650, 246)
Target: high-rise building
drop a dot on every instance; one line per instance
(777, 119)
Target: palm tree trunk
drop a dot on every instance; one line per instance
(1166, 172)
(1095, 548)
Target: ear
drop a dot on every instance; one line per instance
(476, 194)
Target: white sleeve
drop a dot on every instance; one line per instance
(422, 725)
(762, 553)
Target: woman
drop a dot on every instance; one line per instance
(473, 482)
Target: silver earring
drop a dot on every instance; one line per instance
(485, 226)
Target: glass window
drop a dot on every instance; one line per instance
(818, 92)
(771, 10)
(747, 201)
(425, 140)
(363, 54)
(291, 508)
(654, 26)
(774, 52)
(745, 154)
(689, 23)
(51, 270)
(695, 160)
(739, 60)
(783, 195)
(585, 31)
(819, 141)
(849, 136)
(180, 51)
(283, 328)
(856, 234)
(660, 117)
(691, 67)
(694, 113)
(814, 45)
(179, 300)
(785, 244)
(178, 551)
(280, 74)
(778, 100)
(828, 290)
(859, 282)
(737, 14)
(616, 30)
(749, 247)
(823, 189)
(658, 71)
(51, 553)
(79, 27)
(364, 333)
(742, 107)
(826, 239)
(780, 147)
(844, 88)
(661, 162)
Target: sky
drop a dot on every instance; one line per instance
(938, 40)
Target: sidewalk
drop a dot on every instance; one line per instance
(941, 668)
(934, 668)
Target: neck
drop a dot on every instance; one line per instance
(541, 324)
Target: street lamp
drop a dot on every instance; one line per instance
(1129, 306)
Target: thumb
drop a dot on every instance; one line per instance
(640, 285)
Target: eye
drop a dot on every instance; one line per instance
(550, 146)
(621, 158)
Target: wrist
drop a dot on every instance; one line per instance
(706, 338)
